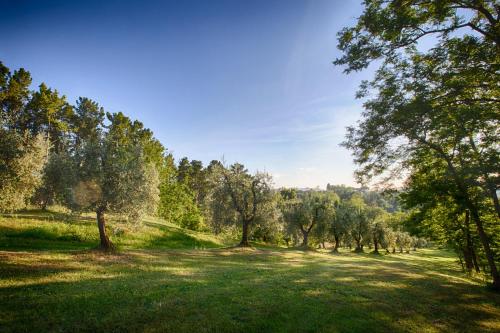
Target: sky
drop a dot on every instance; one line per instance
(247, 81)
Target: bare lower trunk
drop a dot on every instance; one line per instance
(470, 245)
(469, 265)
(474, 260)
(375, 244)
(305, 240)
(467, 251)
(106, 244)
(494, 197)
(337, 244)
(475, 217)
(244, 235)
(486, 245)
(359, 247)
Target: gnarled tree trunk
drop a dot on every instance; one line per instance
(305, 239)
(375, 244)
(106, 244)
(305, 234)
(337, 244)
(244, 235)
(359, 247)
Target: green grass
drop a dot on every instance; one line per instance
(166, 279)
(50, 231)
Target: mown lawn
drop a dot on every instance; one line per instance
(166, 280)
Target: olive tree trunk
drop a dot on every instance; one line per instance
(305, 239)
(106, 244)
(375, 244)
(337, 244)
(244, 235)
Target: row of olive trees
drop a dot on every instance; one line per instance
(351, 222)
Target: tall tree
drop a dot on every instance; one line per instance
(48, 113)
(177, 202)
(14, 95)
(115, 176)
(442, 101)
(23, 153)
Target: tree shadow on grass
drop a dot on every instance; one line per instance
(47, 215)
(38, 238)
(263, 291)
(172, 238)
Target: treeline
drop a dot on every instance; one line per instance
(431, 116)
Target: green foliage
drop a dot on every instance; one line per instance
(22, 159)
(218, 210)
(250, 197)
(87, 121)
(59, 177)
(49, 114)
(177, 205)
(113, 173)
(310, 211)
(432, 111)
(14, 94)
(360, 226)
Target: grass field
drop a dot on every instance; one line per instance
(166, 279)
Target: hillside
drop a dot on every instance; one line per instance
(167, 279)
(53, 230)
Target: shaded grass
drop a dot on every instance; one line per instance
(234, 290)
(51, 230)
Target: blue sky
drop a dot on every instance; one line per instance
(248, 80)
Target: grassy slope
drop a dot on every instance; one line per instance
(166, 279)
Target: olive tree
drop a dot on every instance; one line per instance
(360, 225)
(389, 240)
(114, 175)
(307, 211)
(249, 196)
(377, 226)
(340, 223)
(22, 159)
